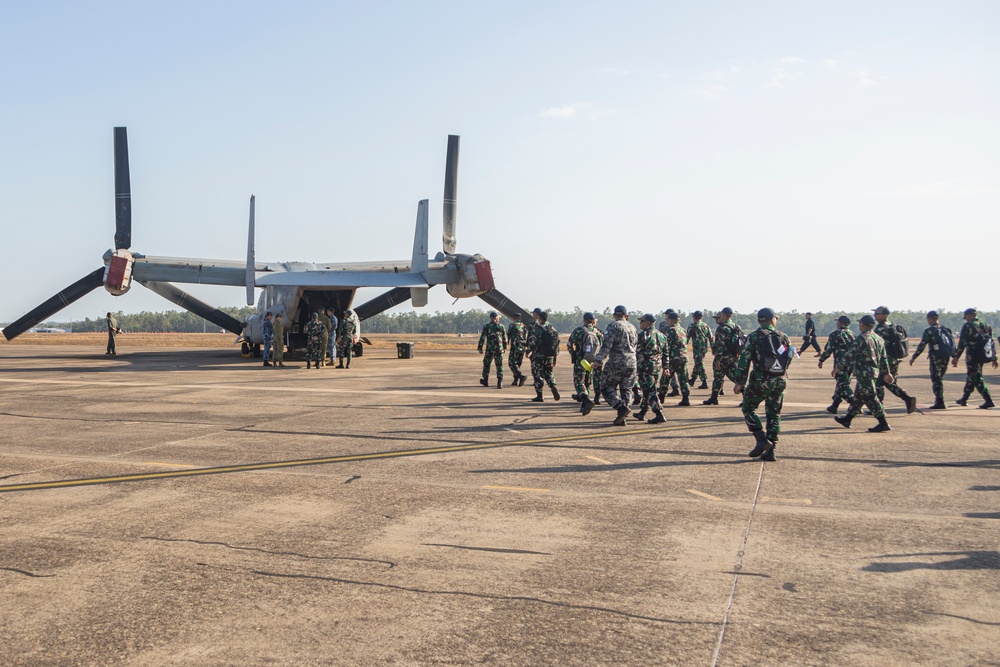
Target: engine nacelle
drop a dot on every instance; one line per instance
(118, 272)
(475, 276)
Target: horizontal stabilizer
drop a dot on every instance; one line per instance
(342, 279)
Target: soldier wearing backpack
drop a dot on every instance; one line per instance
(896, 349)
(867, 360)
(700, 336)
(769, 352)
(516, 339)
(976, 340)
(837, 345)
(583, 344)
(726, 348)
(543, 346)
(942, 346)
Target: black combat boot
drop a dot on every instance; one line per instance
(833, 406)
(499, 383)
(761, 446)
(622, 414)
(662, 395)
(555, 393)
(881, 427)
(722, 392)
(703, 385)
(939, 404)
(340, 365)
(520, 380)
(597, 397)
(684, 401)
(513, 382)
(768, 454)
(484, 382)
(712, 400)
(658, 419)
(636, 397)
(587, 406)
(307, 363)
(538, 397)
(911, 403)
(267, 363)
(844, 421)
(988, 404)
(964, 400)
(639, 415)
(674, 392)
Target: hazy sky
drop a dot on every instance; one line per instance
(817, 156)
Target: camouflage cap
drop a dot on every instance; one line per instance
(881, 310)
(867, 319)
(970, 311)
(932, 313)
(766, 314)
(588, 317)
(844, 319)
(649, 317)
(621, 310)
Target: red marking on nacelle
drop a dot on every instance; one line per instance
(484, 275)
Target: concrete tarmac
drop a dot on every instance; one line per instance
(189, 507)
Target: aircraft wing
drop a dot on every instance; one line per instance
(342, 279)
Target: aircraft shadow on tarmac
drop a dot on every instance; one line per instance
(966, 560)
(169, 359)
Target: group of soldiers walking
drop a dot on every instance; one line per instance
(625, 366)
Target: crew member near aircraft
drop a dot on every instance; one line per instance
(617, 361)
(314, 340)
(809, 339)
(976, 340)
(324, 317)
(495, 338)
(770, 353)
(268, 335)
(279, 340)
(113, 330)
(517, 337)
(331, 341)
(867, 360)
(347, 336)
(543, 346)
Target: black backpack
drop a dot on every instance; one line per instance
(983, 351)
(736, 343)
(896, 344)
(589, 346)
(772, 354)
(943, 346)
(545, 346)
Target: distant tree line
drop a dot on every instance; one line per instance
(471, 321)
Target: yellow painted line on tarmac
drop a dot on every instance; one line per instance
(786, 501)
(272, 465)
(517, 488)
(594, 458)
(702, 495)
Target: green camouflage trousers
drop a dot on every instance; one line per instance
(894, 389)
(678, 369)
(583, 380)
(647, 382)
(514, 360)
(938, 368)
(699, 366)
(727, 369)
(771, 390)
(843, 391)
(974, 379)
(541, 371)
(866, 394)
(493, 355)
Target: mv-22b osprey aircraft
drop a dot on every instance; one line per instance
(293, 288)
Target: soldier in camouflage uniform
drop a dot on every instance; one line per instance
(837, 345)
(700, 336)
(495, 337)
(327, 330)
(267, 334)
(652, 358)
(677, 342)
(882, 329)
(314, 340)
(867, 360)
(972, 330)
(113, 331)
(668, 380)
(769, 351)
(346, 337)
(279, 340)
(725, 349)
(517, 336)
(938, 358)
(543, 348)
(583, 344)
(617, 361)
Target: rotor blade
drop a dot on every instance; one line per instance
(450, 203)
(382, 302)
(193, 305)
(251, 276)
(123, 192)
(77, 290)
(496, 299)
